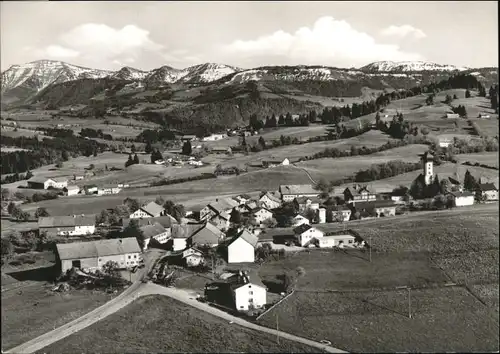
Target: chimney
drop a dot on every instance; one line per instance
(121, 240)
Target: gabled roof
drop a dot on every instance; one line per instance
(487, 187)
(271, 196)
(454, 181)
(59, 179)
(166, 221)
(224, 204)
(197, 251)
(461, 194)
(36, 179)
(247, 236)
(66, 221)
(152, 230)
(208, 234)
(185, 230)
(297, 189)
(303, 200)
(301, 229)
(257, 209)
(95, 249)
(72, 187)
(152, 208)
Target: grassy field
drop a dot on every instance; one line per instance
(35, 310)
(443, 320)
(136, 329)
(485, 158)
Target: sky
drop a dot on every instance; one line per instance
(147, 35)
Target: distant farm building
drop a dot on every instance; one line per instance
(156, 232)
(378, 208)
(222, 150)
(452, 115)
(71, 190)
(462, 198)
(91, 256)
(270, 200)
(214, 137)
(359, 194)
(305, 234)
(45, 183)
(73, 225)
(188, 138)
(107, 190)
(290, 192)
(150, 210)
(489, 191)
(275, 162)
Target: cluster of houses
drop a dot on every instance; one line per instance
(62, 183)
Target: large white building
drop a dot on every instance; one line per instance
(305, 234)
(45, 183)
(92, 255)
(462, 198)
(241, 248)
(73, 225)
(290, 192)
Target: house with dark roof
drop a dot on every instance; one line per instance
(72, 225)
(306, 234)
(359, 193)
(489, 191)
(241, 248)
(260, 215)
(45, 183)
(71, 190)
(155, 231)
(378, 208)
(292, 191)
(243, 291)
(181, 233)
(92, 255)
(221, 221)
(149, 210)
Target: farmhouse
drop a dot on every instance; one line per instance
(166, 221)
(73, 225)
(90, 256)
(45, 183)
(270, 200)
(242, 198)
(462, 198)
(378, 208)
(488, 191)
(150, 210)
(274, 163)
(359, 194)
(304, 203)
(444, 143)
(299, 220)
(290, 192)
(305, 234)
(155, 231)
(238, 292)
(452, 115)
(241, 248)
(341, 214)
(207, 235)
(90, 189)
(335, 241)
(107, 190)
(221, 221)
(218, 207)
(261, 214)
(180, 234)
(71, 190)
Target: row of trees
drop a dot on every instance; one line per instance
(132, 160)
(16, 177)
(93, 133)
(386, 170)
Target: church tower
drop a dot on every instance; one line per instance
(428, 166)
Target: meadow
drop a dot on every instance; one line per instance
(485, 158)
(135, 329)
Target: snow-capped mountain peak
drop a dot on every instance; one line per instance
(128, 73)
(409, 66)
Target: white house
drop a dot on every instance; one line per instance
(341, 214)
(73, 225)
(489, 191)
(242, 198)
(45, 183)
(218, 207)
(274, 163)
(270, 200)
(305, 234)
(108, 190)
(90, 256)
(290, 192)
(180, 234)
(444, 143)
(322, 215)
(305, 203)
(359, 194)
(299, 220)
(249, 295)
(214, 137)
(71, 190)
(155, 231)
(336, 241)
(261, 214)
(462, 199)
(241, 248)
(192, 257)
(150, 210)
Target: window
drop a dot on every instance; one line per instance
(350, 241)
(249, 286)
(250, 293)
(100, 260)
(241, 307)
(129, 257)
(250, 300)
(135, 256)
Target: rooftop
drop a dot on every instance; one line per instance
(247, 236)
(152, 208)
(95, 249)
(185, 230)
(166, 221)
(298, 189)
(487, 187)
(152, 230)
(66, 221)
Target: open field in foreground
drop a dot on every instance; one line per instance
(443, 320)
(160, 324)
(35, 310)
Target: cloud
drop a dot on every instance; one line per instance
(403, 31)
(329, 42)
(101, 43)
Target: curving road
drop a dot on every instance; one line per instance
(139, 289)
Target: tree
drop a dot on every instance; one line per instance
(469, 182)
(186, 148)
(262, 142)
(448, 99)
(281, 120)
(169, 207)
(132, 204)
(429, 100)
(148, 149)
(445, 186)
(439, 201)
(179, 212)
(110, 269)
(28, 175)
(235, 217)
(455, 97)
(41, 212)
(130, 161)
(136, 159)
(159, 200)
(132, 148)
(270, 223)
(95, 153)
(288, 282)
(7, 247)
(65, 155)
(311, 215)
(5, 194)
(467, 93)
(133, 230)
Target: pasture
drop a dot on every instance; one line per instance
(485, 158)
(135, 329)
